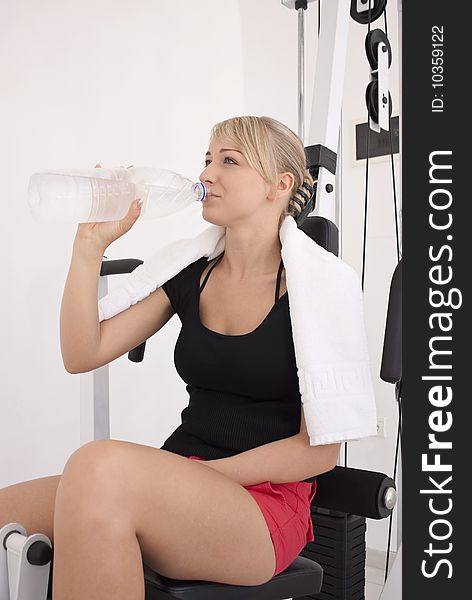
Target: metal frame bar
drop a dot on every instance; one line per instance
(95, 396)
(327, 101)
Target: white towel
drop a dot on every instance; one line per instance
(326, 312)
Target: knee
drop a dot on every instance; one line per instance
(90, 457)
(94, 468)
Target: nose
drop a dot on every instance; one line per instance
(206, 176)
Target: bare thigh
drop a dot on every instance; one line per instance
(30, 503)
(191, 521)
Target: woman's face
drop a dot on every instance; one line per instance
(236, 190)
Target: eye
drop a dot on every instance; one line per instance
(226, 158)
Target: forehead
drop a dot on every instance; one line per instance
(216, 144)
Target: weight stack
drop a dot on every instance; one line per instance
(339, 548)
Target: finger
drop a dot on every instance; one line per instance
(135, 209)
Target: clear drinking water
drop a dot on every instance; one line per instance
(94, 195)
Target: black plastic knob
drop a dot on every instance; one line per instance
(39, 554)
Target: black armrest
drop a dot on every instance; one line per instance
(119, 266)
(355, 491)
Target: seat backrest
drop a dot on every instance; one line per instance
(323, 231)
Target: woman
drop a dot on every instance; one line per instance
(227, 497)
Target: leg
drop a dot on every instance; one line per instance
(119, 504)
(30, 503)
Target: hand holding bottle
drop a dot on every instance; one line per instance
(102, 234)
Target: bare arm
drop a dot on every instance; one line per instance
(282, 461)
(79, 324)
(87, 344)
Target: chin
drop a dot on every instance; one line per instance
(213, 219)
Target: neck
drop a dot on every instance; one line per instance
(250, 253)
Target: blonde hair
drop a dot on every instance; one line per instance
(270, 147)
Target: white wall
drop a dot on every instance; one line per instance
(142, 83)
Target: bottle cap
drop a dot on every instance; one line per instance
(201, 190)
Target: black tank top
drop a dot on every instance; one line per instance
(243, 389)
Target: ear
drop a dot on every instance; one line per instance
(285, 184)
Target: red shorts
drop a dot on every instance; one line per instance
(286, 509)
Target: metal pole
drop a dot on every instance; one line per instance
(327, 97)
(95, 396)
(338, 198)
(301, 74)
(400, 121)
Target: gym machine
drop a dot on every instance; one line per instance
(332, 567)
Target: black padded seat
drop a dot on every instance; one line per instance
(302, 577)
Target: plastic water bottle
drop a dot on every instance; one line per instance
(94, 195)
